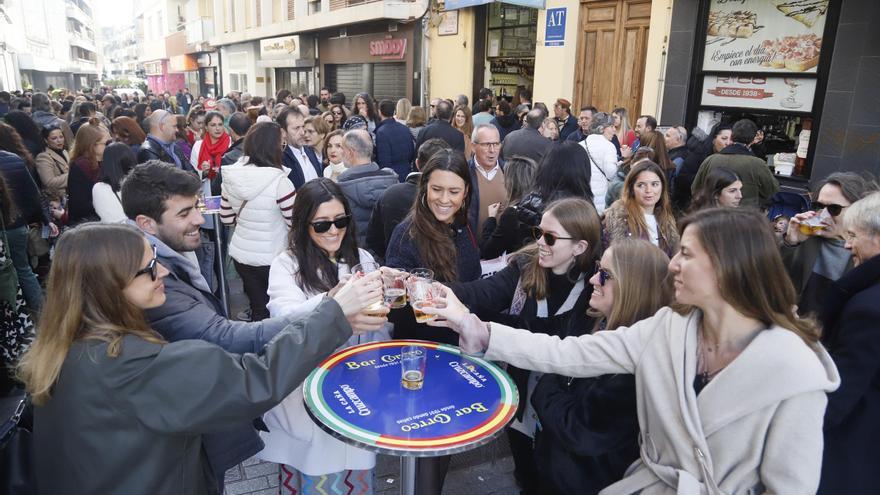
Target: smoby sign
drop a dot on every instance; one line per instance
(389, 48)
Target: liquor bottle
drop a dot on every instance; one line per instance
(800, 161)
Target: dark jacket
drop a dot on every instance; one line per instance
(152, 150)
(134, 424)
(23, 189)
(363, 185)
(577, 136)
(443, 130)
(513, 229)
(799, 262)
(851, 324)
(296, 174)
(235, 151)
(526, 142)
(506, 124)
(394, 147)
(404, 254)
(570, 126)
(759, 185)
(393, 206)
(80, 181)
(697, 152)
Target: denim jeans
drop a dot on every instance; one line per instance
(30, 287)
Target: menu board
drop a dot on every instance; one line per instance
(776, 36)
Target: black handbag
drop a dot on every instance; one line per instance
(16, 446)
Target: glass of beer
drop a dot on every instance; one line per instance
(422, 294)
(360, 270)
(413, 361)
(394, 287)
(814, 225)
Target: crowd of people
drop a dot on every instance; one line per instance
(666, 335)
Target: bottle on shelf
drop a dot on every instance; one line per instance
(800, 161)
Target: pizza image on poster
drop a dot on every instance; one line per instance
(776, 36)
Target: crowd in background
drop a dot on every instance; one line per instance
(641, 244)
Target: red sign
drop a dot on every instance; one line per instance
(754, 93)
(389, 48)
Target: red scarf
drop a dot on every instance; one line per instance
(212, 152)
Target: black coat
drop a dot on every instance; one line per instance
(152, 150)
(513, 229)
(697, 151)
(442, 130)
(394, 205)
(394, 147)
(23, 190)
(851, 322)
(526, 142)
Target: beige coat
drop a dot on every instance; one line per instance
(755, 428)
(53, 170)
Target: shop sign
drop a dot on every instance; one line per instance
(388, 48)
(765, 35)
(554, 32)
(281, 47)
(760, 92)
(460, 4)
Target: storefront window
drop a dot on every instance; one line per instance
(510, 47)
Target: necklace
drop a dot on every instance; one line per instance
(703, 373)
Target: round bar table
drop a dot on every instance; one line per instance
(356, 395)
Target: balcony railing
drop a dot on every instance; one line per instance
(341, 4)
(199, 30)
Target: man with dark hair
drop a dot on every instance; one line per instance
(5, 98)
(486, 95)
(43, 117)
(162, 201)
(564, 119)
(644, 124)
(441, 128)
(759, 185)
(324, 96)
(239, 123)
(527, 141)
(312, 103)
(84, 113)
(584, 121)
(301, 160)
(394, 144)
(525, 98)
(483, 113)
(396, 202)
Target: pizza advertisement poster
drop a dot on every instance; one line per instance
(776, 36)
(792, 94)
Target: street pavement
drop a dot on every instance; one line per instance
(487, 470)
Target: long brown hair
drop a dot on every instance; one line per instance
(657, 142)
(468, 127)
(93, 264)
(579, 218)
(749, 269)
(635, 218)
(433, 239)
(10, 140)
(642, 287)
(84, 144)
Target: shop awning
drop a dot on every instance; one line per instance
(460, 4)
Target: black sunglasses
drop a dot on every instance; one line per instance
(833, 209)
(322, 226)
(151, 268)
(604, 275)
(549, 239)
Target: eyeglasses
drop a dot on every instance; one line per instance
(322, 226)
(549, 239)
(337, 113)
(833, 209)
(489, 145)
(604, 275)
(151, 268)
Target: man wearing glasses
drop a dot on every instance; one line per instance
(816, 260)
(487, 175)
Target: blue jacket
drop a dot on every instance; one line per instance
(395, 148)
(570, 126)
(23, 189)
(296, 174)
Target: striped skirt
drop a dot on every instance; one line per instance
(352, 482)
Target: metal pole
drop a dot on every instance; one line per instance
(408, 475)
(221, 272)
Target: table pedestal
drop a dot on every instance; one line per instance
(407, 475)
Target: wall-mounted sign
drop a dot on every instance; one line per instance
(449, 25)
(389, 48)
(281, 47)
(793, 94)
(554, 31)
(764, 35)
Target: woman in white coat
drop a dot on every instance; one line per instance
(324, 241)
(731, 384)
(603, 157)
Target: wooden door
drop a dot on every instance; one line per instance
(611, 54)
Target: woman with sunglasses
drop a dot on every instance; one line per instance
(257, 198)
(321, 250)
(731, 385)
(722, 188)
(643, 210)
(589, 426)
(339, 116)
(91, 140)
(543, 289)
(816, 260)
(104, 383)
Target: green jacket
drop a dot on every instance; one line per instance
(759, 184)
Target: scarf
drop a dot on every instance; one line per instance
(212, 152)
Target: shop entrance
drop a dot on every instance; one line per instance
(298, 81)
(511, 33)
(385, 80)
(611, 54)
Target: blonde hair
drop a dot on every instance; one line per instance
(87, 137)
(401, 111)
(93, 264)
(642, 287)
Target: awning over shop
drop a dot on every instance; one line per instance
(460, 4)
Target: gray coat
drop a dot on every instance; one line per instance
(525, 142)
(133, 424)
(363, 185)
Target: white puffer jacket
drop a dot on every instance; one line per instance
(262, 225)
